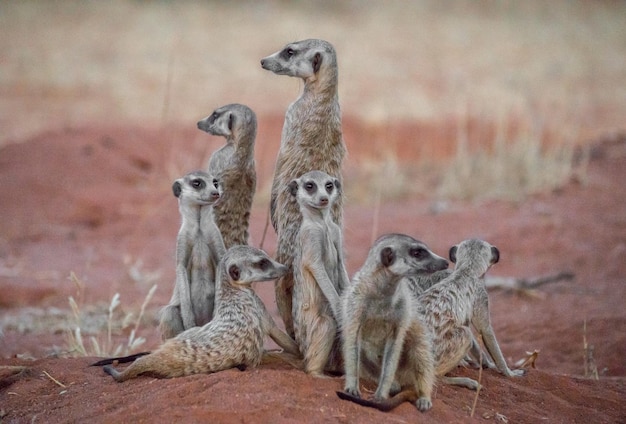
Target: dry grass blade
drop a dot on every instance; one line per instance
(529, 360)
(57, 382)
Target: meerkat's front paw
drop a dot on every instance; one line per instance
(353, 391)
(516, 373)
(423, 404)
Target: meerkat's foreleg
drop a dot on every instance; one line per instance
(482, 322)
(391, 358)
(170, 322)
(352, 358)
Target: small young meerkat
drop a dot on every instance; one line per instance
(233, 165)
(320, 275)
(450, 306)
(383, 337)
(199, 248)
(311, 139)
(233, 338)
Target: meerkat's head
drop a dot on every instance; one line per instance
(315, 189)
(246, 264)
(303, 59)
(401, 254)
(475, 253)
(197, 188)
(228, 120)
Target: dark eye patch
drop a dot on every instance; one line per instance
(330, 187)
(418, 252)
(310, 187)
(287, 53)
(198, 183)
(216, 183)
(264, 264)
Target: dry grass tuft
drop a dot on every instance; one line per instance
(106, 346)
(509, 169)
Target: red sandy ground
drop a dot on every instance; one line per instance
(82, 200)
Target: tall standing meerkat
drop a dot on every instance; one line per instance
(233, 164)
(199, 248)
(320, 275)
(235, 336)
(382, 335)
(451, 305)
(311, 139)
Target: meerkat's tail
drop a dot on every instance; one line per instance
(384, 405)
(119, 360)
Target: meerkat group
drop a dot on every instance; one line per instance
(403, 320)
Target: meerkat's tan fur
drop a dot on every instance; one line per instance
(311, 139)
(451, 305)
(199, 248)
(320, 275)
(233, 165)
(382, 335)
(235, 336)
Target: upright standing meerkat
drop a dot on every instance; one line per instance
(451, 305)
(233, 165)
(199, 248)
(311, 139)
(235, 336)
(320, 275)
(382, 335)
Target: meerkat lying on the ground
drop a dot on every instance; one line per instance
(235, 335)
(320, 275)
(450, 306)
(382, 335)
(233, 165)
(311, 139)
(199, 248)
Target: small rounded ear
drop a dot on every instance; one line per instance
(317, 62)
(233, 272)
(452, 254)
(231, 121)
(387, 256)
(293, 188)
(495, 255)
(177, 188)
(337, 185)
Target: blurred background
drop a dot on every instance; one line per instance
(420, 82)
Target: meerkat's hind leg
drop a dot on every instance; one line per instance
(109, 369)
(321, 339)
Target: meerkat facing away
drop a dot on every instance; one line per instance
(320, 275)
(199, 248)
(449, 306)
(233, 338)
(382, 335)
(233, 165)
(311, 139)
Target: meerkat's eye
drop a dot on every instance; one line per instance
(288, 53)
(264, 264)
(198, 183)
(329, 187)
(418, 252)
(310, 187)
(216, 183)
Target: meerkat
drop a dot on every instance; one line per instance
(233, 165)
(199, 248)
(382, 335)
(320, 275)
(311, 139)
(233, 338)
(450, 306)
